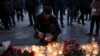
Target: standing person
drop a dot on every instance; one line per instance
(82, 8)
(18, 5)
(59, 6)
(46, 26)
(31, 7)
(72, 8)
(5, 13)
(12, 16)
(88, 10)
(95, 17)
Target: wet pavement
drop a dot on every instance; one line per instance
(23, 35)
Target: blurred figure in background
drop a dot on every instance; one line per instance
(19, 6)
(95, 18)
(5, 12)
(12, 16)
(72, 8)
(59, 7)
(89, 10)
(31, 7)
(85, 9)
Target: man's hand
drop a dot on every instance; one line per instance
(40, 35)
(49, 38)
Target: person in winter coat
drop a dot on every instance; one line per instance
(95, 18)
(46, 26)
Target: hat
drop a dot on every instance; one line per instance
(47, 10)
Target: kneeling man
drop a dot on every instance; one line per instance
(46, 26)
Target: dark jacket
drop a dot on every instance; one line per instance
(47, 2)
(31, 4)
(5, 9)
(19, 3)
(59, 1)
(42, 25)
(85, 3)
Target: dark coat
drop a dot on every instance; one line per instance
(42, 25)
(5, 9)
(59, 1)
(47, 2)
(18, 3)
(31, 4)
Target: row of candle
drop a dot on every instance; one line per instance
(52, 49)
(91, 49)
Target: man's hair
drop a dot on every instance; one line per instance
(47, 10)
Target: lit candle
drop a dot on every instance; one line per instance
(83, 47)
(60, 51)
(40, 54)
(89, 47)
(95, 45)
(49, 48)
(55, 53)
(95, 52)
(94, 55)
(88, 54)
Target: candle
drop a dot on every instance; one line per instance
(94, 55)
(83, 47)
(95, 45)
(95, 52)
(89, 47)
(49, 48)
(55, 53)
(39, 54)
(60, 52)
(88, 54)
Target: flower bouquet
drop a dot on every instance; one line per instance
(71, 48)
(12, 51)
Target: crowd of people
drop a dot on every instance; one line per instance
(78, 11)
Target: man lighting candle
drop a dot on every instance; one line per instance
(46, 26)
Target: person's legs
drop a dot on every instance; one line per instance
(10, 22)
(5, 22)
(61, 15)
(82, 18)
(68, 17)
(56, 11)
(79, 17)
(13, 19)
(34, 14)
(21, 14)
(71, 18)
(86, 16)
(91, 26)
(89, 16)
(30, 18)
(18, 15)
(97, 25)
